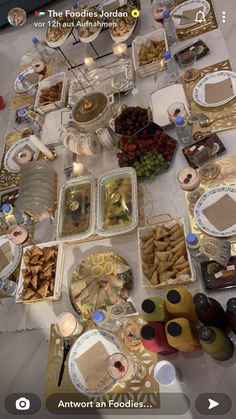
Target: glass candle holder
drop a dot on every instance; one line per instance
(120, 50)
(188, 179)
(68, 325)
(209, 171)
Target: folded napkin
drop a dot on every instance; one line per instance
(222, 214)
(191, 14)
(93, 366)
(5, 255)
(216, 92)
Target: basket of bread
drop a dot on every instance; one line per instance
(147, 51)
(163, 255)
(52, 93)
(40, 273)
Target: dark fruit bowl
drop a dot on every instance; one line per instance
(151, 151)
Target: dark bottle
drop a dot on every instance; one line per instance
(154, 339)
(231, 313)
(210, 312)
(215, 343)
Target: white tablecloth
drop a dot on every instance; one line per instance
(200, 372)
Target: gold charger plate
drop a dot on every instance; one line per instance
(101, 280)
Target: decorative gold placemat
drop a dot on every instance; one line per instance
(23, 99)
(9, 179)
(198, 29)
(225, 115)
(227, 176)
(147, 391)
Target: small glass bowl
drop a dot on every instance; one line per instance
(187, 62)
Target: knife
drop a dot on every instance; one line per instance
(181, 17)
(65, 353)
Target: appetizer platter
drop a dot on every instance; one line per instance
(164, 258)
(123, 26)
(58, 31)
(52, 93)
(101, 280)
(203, 151)
(147, 52)
(117, 197)
(76, 215)
(144, 146)
(40, 273)
(90, 26)
(115, 200)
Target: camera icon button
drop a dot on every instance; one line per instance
(22, 404)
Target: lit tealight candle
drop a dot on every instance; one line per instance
(68, 325)
(89, 63)
(120, 49)
(79, 169)
(36, 141)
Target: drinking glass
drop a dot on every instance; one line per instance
(177, 109)
(187, 61)
(157, 9)
(121, 367)
(188, 179)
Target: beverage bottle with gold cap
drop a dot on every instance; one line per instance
(153, 310)
(180, 335)
(179, 303)
(215, 343)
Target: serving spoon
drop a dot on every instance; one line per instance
(204, 121)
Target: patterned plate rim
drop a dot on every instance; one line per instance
(15, 262)
(73, 353)
(14, 146)
(198, 213)
(201, 83)
(180, 6)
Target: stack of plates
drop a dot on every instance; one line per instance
(38, 188)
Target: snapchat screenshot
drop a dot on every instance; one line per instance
(118, 209)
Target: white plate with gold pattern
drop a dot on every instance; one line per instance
(199, 95)
(10, 160)
(186, 6)
(207, 199)
(16, 252)
(82, 345)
